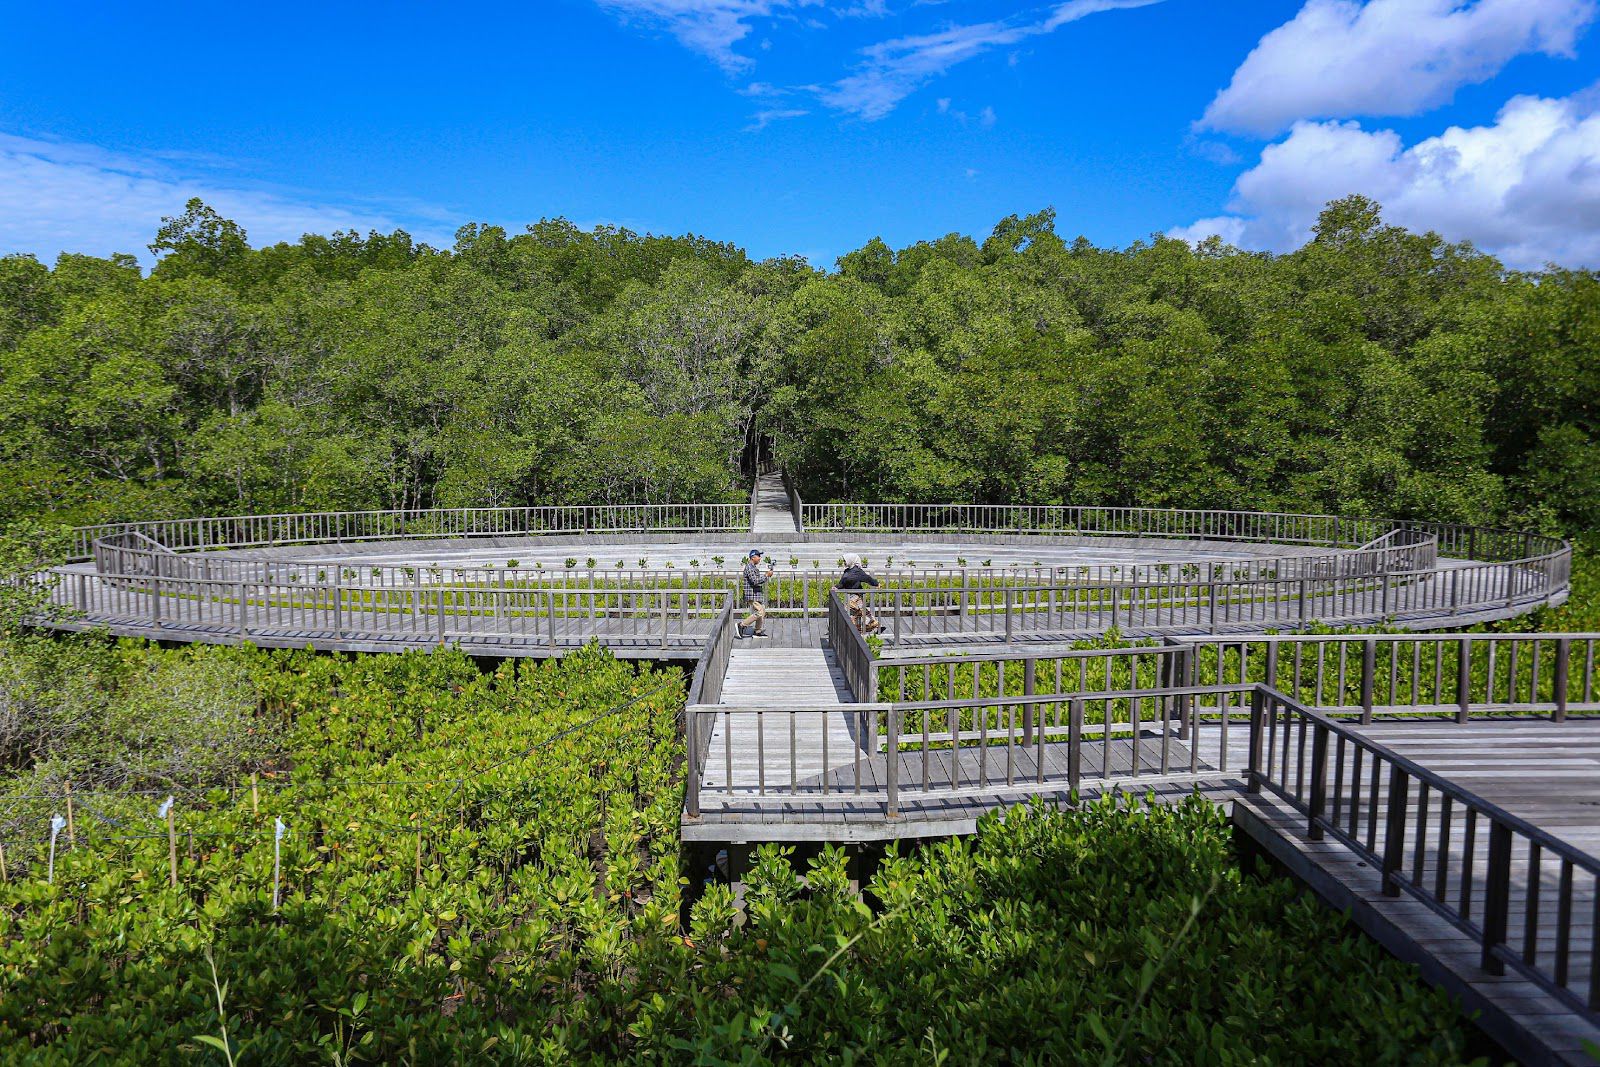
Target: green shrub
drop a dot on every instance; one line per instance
(1116, 934)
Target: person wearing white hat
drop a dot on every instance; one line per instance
(856, 577)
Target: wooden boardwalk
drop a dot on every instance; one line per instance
(772, 513)
(764, 687)
(1546, 773)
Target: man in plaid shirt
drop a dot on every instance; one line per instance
(755, 584)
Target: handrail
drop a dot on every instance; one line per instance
(712, 667)
(1406, 673)
(248, 564)
(796, 505)
(1185, 606)
(850, 647)
(236, 531)
(1338, 809)
(156, 604)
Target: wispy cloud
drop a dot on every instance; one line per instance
(1342, 58)
(762, 119)
(892, 70)
(57, 195)
(984, 118)
(709, 27)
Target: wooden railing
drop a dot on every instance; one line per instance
(919, 605)
(894, 754)
(712, 667)
(850, 648)
(1025, 673)
(795, 589)
(1486, 544)
(796, 505)
(913, 616)
(1368, 675)
(237, 531)
(1438, 843)
(553, 618)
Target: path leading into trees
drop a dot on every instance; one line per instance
(772, 513)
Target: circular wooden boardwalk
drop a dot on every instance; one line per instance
(649, 580)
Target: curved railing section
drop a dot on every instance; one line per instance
(333, 527)
(215, 576)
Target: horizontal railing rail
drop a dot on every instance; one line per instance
(1481, 543)
(885, 753)
(795, 586)
(1009, 613)
(237, 531)
(1469, 860)
(555, 618)
(1455, 674)
(850, 647)
(1390, 572)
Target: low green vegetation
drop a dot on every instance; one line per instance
(1115, 934)
(466, 851)
(483, 866)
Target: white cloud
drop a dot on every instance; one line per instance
(1342, 58)
(710, 27)
(893, 70)
(984, 118)
(57, 196)
(762, 119)
(1526, 188)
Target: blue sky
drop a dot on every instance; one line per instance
(804, 126)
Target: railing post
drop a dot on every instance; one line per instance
(1008, 614)
(550, 614)
(338, 605)
(439, 613)
(1029, 669)
(892, 767)
(1074, 744)
(1455, 590)
(1302, 601)
(898, 603)
(1463, 679)
(691, 732)
(244, 603)
(1394, 829)
(1256, 774)
(1496, 895)
(664, 600)
(1212, 587)
(1317, 803)
(1369, 667)
(1563, 661)
(155, 601)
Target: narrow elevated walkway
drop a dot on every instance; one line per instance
(779, 726)
(771, 513)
